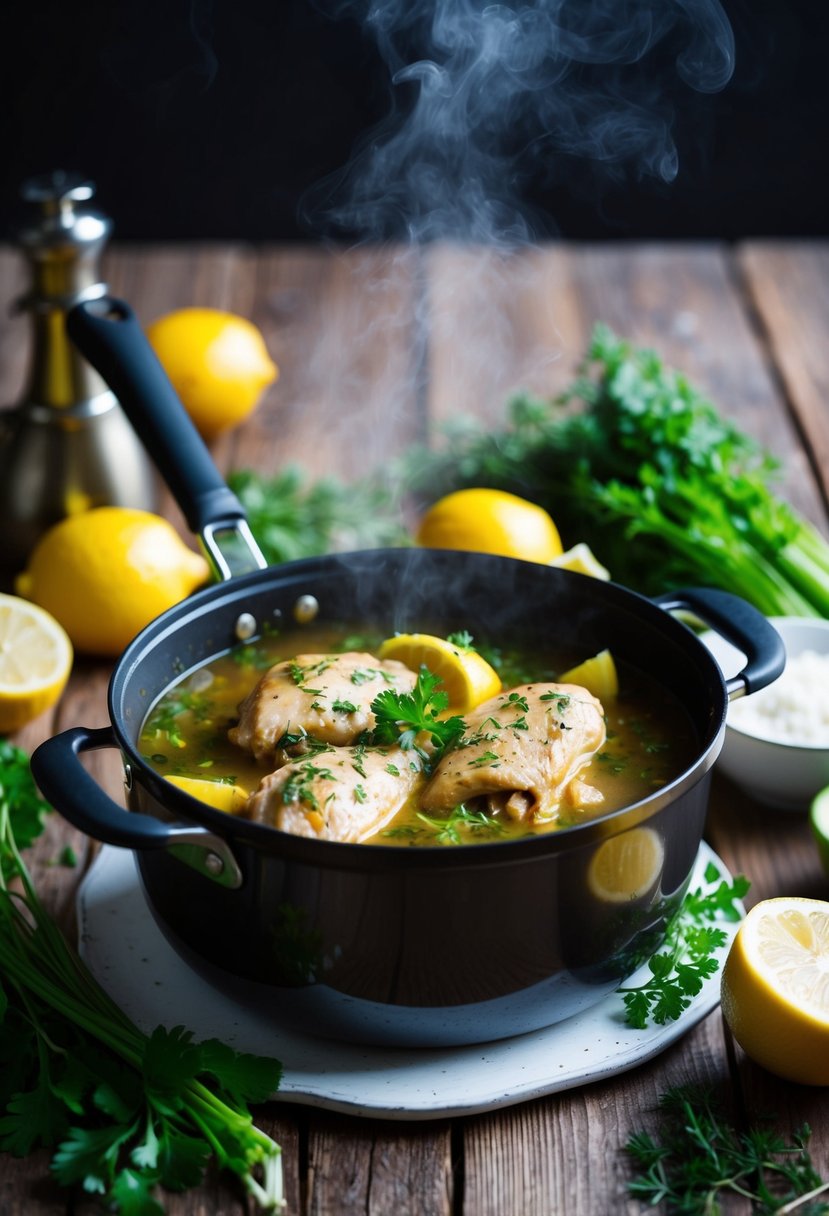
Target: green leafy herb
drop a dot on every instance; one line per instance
(701, 1158)
(124, 1112)
(462, 640)
(400, 717)
(687, 959)
(291, 518)
(638, 463)
(461, 820)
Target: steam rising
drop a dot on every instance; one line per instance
(486, 97)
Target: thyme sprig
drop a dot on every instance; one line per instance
(700, 1158)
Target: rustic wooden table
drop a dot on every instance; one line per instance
(376, 347)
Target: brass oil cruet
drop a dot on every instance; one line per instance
(66, 446)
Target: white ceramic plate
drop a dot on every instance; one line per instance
(130, 957)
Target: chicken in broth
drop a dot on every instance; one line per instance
(313, 732)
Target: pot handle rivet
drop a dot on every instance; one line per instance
(306, 609)
(213, 864)
(245, 627)
(127, 776)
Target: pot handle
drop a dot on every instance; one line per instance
(741, 625)
(108, 334)
(66, 784)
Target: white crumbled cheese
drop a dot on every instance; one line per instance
(794, 708)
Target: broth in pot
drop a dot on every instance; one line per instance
(323, 732)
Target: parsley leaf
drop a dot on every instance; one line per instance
(687, 959)
(400, 717)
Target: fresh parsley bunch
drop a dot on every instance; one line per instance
(124, 1112)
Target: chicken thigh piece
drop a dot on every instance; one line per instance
(520, 752)
(344, 793)
(326, 696)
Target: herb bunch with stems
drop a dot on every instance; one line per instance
(123, 1111)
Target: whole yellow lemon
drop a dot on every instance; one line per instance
(218, 364)
(106, 573)
(490, 521)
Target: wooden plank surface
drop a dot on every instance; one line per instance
(380, 347)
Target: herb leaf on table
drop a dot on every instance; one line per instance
(688, 955)
(700, 1158)
(124, 1112)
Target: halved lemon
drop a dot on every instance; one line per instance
(582, 559)
(35, 662)
(222, 795)
(626, 867)
(819, 818)
(467, 678)
(775, 988)
(598, 675)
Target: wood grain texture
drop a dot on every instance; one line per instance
(788, 284)
(377, 347)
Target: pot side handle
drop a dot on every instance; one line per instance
(741, 625)
(65, 783)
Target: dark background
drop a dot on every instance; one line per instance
(210, 119)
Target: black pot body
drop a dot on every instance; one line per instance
(420, 945)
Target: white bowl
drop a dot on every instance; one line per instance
(786, 775)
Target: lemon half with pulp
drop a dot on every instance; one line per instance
(35, 662)
(775, 988)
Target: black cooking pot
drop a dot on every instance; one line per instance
(427, 945)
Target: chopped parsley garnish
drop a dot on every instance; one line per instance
(487, 759)
(344, 707)
(461, 818)
(462, 639)
(360, 794)
(299, 786)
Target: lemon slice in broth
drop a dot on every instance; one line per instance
(467, 678)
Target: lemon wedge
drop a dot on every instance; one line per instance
(35, 662)
(626, 867)
(775, 988)
(223, 795)
(467, 678)
(581, 559)
(598, 675)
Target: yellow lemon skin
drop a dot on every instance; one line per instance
(106, 573)
(218, 364)
(490, 521)
(466, 676)
(223, 795)
(35, 662)
(582, 559)
(775, 988)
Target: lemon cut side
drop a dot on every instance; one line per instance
(35, 662)
(775, 988)
(466, 676)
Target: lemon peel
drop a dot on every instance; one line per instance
(481, 520)
(217, 362)
(466, 676)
